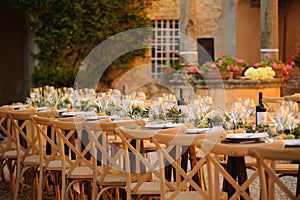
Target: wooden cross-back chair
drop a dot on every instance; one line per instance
(77, 164)
(235, 168)
(209, 159)
(171, 148)
(266, 161)
(108, 155)
(27, 151)
(8, 143)
(49, 154)
(157, 185)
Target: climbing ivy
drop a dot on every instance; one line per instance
(67, 30)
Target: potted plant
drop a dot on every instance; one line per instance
(225, 67)
(231, 66)
(281, 69)
(296, 57)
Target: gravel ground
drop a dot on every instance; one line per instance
(5, 189)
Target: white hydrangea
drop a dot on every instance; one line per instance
(261, 73)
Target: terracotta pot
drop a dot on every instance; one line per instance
(215, 74)
(278, 73)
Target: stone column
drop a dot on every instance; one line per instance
(187, 26)
(269, 27)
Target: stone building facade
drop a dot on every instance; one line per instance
(232, 25)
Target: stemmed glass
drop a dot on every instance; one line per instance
(281, 110)
(234, 112)
(248, 106)
(272, 115)
(292, 115)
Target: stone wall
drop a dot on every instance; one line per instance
(164, 9)
(233, 24)
(213, 18)
(291, 86)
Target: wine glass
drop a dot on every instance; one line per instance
(272, 115)
(281, 115)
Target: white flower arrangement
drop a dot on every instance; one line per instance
(261, 73)
(216, 116)
(63, 102)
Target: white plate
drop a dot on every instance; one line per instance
(62, 110)
(41, 108)
(247, 136)
(197, 130)
(77, 113)
(161, 126)
(19, 107)
(97, 117)
(292, 142)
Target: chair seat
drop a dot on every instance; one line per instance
(32, 160)
(56, 165)
(117, 179)
(193, 195)
(12, 154)
(82, 172)
(150, 188)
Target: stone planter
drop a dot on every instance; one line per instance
(215, 74)
(278, 73)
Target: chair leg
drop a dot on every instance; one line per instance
(10, 166)
(3, 162)
(18, 179)
(82, 190)
(40, 183)
(34, 185)
(46, 182)
(117, 193)
(56, 186)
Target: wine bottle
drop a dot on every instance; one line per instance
(181, 100)
(261, 111)
(123, 93)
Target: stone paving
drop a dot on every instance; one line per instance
(5, 190)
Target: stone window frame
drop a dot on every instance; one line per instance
(164, 46)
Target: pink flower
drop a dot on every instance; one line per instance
(228, 68)
(239, 60)
(222, 54)
(175, 52)
(213, 66)
(284, 69)
(207, 63)
(266, 55)
(220, 62)
(256, 64)
(199, 71)
(289, 67)
(235, 68)
(275, 66)
(292, 63)
(170, 70)
(192, 68)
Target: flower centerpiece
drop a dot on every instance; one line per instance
(216, 117)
